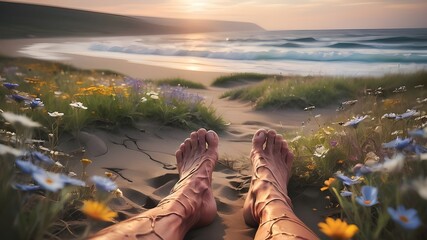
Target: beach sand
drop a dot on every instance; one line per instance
(143, 157)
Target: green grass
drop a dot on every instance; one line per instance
(180, 82)
(225, 81)
(301, 92)
(112, 99)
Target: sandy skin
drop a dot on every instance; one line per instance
(191, 203)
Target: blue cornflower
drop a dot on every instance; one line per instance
(42, 158)
(369, 196)
(420, 132)
(409, 113)
(407, 218)
(345, 193)
(27, 167)
(104, 184)
(361, 169)
(48, 180)
(35, 103)
(10, 86)
(346, 180)
(18, 98)
(72, 181)
(398, 143)
(355, 121)
(27, 188)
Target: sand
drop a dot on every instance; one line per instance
(143, 157)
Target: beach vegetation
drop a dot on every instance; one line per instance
(369, 158)
(301, 92)
(180, 82)
(239, 78)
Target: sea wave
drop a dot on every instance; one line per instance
(397, 40)
(272, 54)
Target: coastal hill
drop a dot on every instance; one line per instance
(18, 20)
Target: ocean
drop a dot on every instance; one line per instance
(316, 52)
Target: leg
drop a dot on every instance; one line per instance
(267, 204)
(190, 203)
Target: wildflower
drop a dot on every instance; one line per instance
(338, 229)
(49, 180)
(320, 151)
(58, 164)
(55, 114)
(389, 116)
(346, 180)
(361, 169)
(407, 218)
(26, 188)
(27, 167)
(98, 211)
(42, 158)
(350, 102)
(355, 121)
(104, 184)
(143, 99)
(309, 108)
(10, 86)
(420, 132)
(108, 174)
(345, 193)
(85, 161)
(6, 150)
(333, 143)
(393, 164)
(35, 103)
(369, 196)
(78, 105)
(296, 138)
(398, 143)
(327, 184)
(72, 181)
(420, 185)
(154, 97)
(409, 113)
(18, 98)
(20, 120)
(118, 193)
(400, 89)
(72, 174)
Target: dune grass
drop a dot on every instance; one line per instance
(229, 80)
(111, 99)
(301, 92)
(180, 82)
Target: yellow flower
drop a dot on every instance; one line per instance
(98, 211)
(85, 161)
(327, 184)
(338, 229)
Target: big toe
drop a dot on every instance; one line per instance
(258, 139)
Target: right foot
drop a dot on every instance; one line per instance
(271, 171)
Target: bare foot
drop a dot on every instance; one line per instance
(267, 204)
(271, 171)
(190, 203)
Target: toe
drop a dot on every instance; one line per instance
(277, 147)
(202, 139)
(179, 157)
(212, 139)
(258, 139)
(271, 136)
(194, 140)
(187, 146)
(287, 155)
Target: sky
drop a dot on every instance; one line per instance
(270, 14)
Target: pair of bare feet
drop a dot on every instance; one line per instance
(191, 202)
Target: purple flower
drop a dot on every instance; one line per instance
(355, 121)
(10, 86)
(48, 180)
(346, 180)
(18, 98)
(409, 113)
(104, 184)
(72, 181)
(361, 169)
(35, 103)
(27, 167)
(26, 188)
(369, 196)
(398, 143)
(345, 193)
(42, 158)
(407, 218)
(420, 132)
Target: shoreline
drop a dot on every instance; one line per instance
(11, 48)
